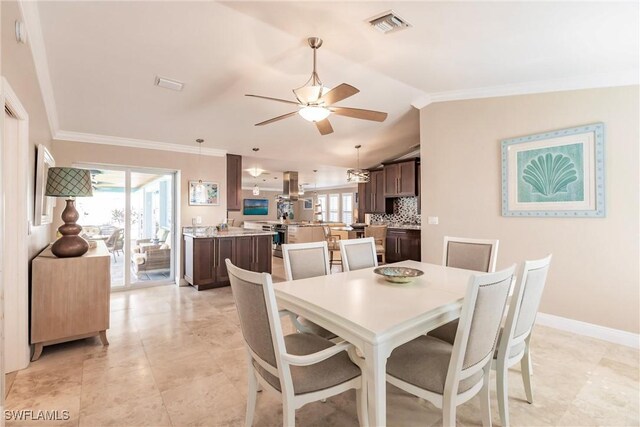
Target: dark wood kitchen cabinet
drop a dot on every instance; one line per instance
(401, 179)
(263, 247)
(254, 253)
(402, 245)
(205, 266)
(372, 198)
(198, 254)
(225, 248)
(234, 182)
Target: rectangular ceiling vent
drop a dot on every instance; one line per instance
(168, 83)
(388, 22)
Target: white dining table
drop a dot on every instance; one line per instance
(377, 316)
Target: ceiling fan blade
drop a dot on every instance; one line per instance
(338, 93)
(324, 127)
(275, 119)
(273, 99)
(357, 113)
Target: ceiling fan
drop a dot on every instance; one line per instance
(315, 101)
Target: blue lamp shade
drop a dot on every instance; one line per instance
(69, 182)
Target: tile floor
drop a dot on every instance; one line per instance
(176, 358)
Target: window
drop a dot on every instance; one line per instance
(334, 207)
(347, 208)
(322, 201)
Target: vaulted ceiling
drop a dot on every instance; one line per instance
(103, 58)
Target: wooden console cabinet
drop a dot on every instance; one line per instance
(70, 297)
(204, 257)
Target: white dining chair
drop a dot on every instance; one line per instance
(301, 261)
(514, 342)
(449, 375)
(470, 254)
(357, 254)
(298, 368)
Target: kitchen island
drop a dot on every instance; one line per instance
(205, 253)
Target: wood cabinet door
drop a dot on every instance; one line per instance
(377, 179)
(391, 175)
(262, 246)
(407, 177)
(234, 182)
(391, 251)
(409, 246)
(368, 195)
(362, 201)
(202, 257)
(224, 248)
(244, 253)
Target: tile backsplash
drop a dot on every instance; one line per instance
(405, 210)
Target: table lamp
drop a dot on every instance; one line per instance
(69, 183)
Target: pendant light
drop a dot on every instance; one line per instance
(255, 172)
(200, 185)
(358, 175)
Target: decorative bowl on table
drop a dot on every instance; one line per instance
(398, 274)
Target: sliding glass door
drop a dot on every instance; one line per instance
(132, 211)
(151, 227)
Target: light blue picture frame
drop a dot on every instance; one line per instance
(559, 173)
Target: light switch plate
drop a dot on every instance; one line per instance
(198, 220)
(432, 220)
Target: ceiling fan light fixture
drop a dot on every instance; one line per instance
(310, 94)
(314, 114)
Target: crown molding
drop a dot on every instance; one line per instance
(31, 17)
(591, 81)
(91, 138)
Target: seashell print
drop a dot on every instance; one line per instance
(550, 174)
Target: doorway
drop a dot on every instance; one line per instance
(14, 232)
(132, 211)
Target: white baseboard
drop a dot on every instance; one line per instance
(615, 336)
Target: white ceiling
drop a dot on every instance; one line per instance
(103, 58)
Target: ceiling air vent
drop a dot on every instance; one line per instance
(168, 83)
(388, 22)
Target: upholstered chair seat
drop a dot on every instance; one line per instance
(447, 333)
(424, 362)
(306, 379)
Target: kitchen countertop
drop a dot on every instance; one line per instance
(234, 232)
(404, 227)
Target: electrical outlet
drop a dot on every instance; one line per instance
(432, 220)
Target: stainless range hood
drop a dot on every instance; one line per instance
(290, 185)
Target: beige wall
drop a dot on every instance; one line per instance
(19, 70)
(191, 166)
(594, 272)
(273, 209)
